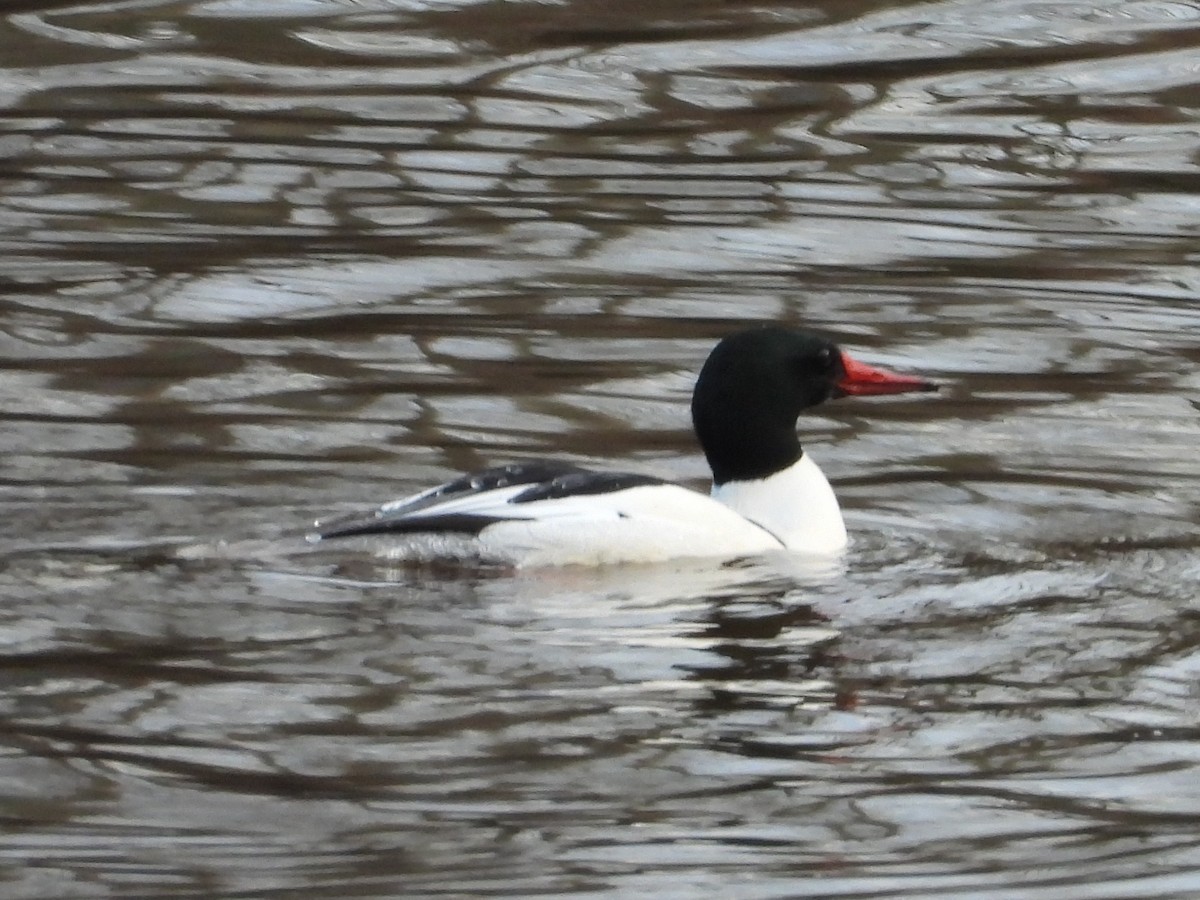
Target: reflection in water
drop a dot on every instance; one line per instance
(268, 265)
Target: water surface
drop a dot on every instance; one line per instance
(264, 263)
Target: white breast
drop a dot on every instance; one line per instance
(796, 505)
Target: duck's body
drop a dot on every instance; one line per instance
(559, 514)
(768, 495)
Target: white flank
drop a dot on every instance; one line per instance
(649, 523)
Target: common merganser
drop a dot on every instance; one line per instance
(767, 493)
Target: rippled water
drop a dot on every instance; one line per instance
(268, 262)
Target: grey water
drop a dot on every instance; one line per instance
(265, 263)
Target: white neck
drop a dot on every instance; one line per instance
(796, 505)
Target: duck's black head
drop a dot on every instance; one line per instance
(756, 383)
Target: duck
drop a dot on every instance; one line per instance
(768, 495)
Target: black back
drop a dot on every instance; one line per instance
(548, 480)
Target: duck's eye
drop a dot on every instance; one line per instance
(817, 362)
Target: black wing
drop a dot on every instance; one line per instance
(582, 482)
(491, 479)
(547, 480)
(459, 523)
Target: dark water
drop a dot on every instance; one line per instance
(268, 262)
